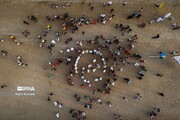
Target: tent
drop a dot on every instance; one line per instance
(167, 15)
(177, 59)
(159, 19)
(161, 5)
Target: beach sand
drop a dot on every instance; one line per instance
(13, 107)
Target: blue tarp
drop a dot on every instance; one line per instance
(163, 55)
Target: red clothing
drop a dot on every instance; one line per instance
(54, 65)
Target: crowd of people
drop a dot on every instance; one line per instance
(20, 63)
(115, 59)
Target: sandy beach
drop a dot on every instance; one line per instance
(36, 107)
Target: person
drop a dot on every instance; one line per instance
(74, 115)
(94, 91)
(157, 110)
(25, 22)
(128, 81)
(118, 117)
(4, 53)
(59, 105)
(161, 94)
(82, 86)
(33, 18)
(142, 25)
(125, 99)
(3, 86)
(134, 14)
(109, 103)
(140, 77)
(174, 53)
(155, 37)
(50, 76)
(140, 10)
(115, 116)
(99, 101)
(107, 3)
(71, 111)
(26, 33)
(13, 38)
(24, 65)
(77, 97)
(57, 115)
(138, 97)
(176, 28)
(112, 10)
(45, 68)
(153, 115)
(51, 94)
(157, 5)
(159, 75)
(49, 99)
(92, 8)
(55, 103)
(138, 15)
(19, 43)
(54, 5)
(124, 3)
(88, 106)
(50, 84)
